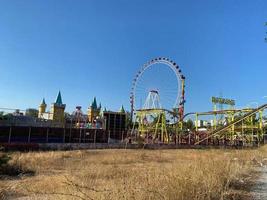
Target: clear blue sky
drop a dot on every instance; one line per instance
(90, 48)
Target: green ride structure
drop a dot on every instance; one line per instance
(155, 121)
(244, 127)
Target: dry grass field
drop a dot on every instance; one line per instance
(129, 174)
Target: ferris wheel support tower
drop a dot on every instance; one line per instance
(152, 100)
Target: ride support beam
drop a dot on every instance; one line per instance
(215, 116)
(260, 134)
(233, 126)
(196, 121)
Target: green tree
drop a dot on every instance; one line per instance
(8, 116)
(1, 115)
(189, 124)
(67, 116)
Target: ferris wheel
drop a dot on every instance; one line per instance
(159, 84)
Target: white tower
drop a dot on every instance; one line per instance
(152, 100)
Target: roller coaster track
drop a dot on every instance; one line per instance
(227, 126)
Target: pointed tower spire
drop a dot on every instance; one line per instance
(42, 108)
(59, 99)
(43, 102)
(100, 106)
(94, 104)
(122, 109)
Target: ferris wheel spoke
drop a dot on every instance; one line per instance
(170, 95)
(169, 91)
(157, 84)
(168, 100)
(140, 86)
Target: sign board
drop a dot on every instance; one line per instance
(223, 101)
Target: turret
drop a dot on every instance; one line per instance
(42, 108)
(93, 111)
(94, 104)
(57, 109)
(122, 110)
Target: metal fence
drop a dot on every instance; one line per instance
(24, 134)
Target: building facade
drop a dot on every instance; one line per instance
(56, 111)
(94, 111)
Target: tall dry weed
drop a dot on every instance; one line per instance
(132, 174)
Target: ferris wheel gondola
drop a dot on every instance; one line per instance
(161, 76)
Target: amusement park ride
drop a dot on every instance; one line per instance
(161, 118)
(155, 121)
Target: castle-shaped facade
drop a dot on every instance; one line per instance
(94, 115)
(94, 111)
(56, 111)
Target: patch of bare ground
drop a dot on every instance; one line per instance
(133, 174)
